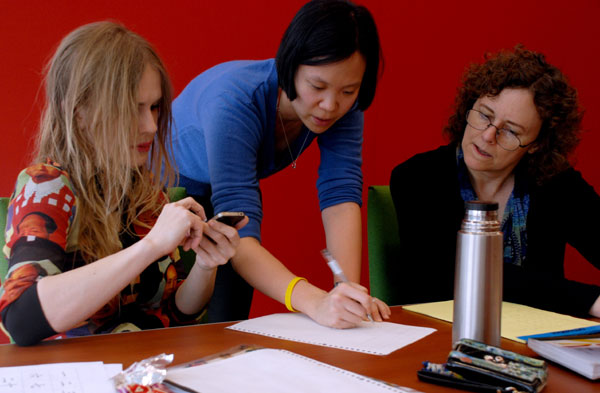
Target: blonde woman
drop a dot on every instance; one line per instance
(90, 234)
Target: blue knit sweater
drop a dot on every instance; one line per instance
(224, 141)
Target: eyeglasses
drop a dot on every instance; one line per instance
(505, 138)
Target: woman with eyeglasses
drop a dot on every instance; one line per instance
(516, 121)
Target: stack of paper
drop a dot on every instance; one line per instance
(577, 349)
(580, 355)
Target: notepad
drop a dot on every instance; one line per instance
(517, 320)
(273, 370)
(377, 338)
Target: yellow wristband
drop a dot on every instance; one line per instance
(288, 293)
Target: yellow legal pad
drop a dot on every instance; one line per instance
(517, 320)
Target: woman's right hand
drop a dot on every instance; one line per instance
(179, 223)
(347, 305)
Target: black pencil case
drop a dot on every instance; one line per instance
(479, 367)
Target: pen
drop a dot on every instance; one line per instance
(337, 271)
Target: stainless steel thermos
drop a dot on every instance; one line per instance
(478, 276)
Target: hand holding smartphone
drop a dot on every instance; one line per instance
(229, 218)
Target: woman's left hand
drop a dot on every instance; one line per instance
(218, 245)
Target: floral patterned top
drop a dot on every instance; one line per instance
(42, 239)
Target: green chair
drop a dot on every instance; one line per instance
(383, 241)
(3, 261)
(176, 193)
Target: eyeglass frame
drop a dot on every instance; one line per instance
(497, 131)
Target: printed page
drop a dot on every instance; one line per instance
(517, 320)
(88, 377)
(273, 370)
(377, 338)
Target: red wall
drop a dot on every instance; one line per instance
(426, 46)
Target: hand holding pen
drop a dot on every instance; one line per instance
(353, 295)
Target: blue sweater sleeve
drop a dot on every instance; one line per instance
(224, 140)
(340, 174)
(232, 134)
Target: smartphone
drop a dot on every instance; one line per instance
(229, 218)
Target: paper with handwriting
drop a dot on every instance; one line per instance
(87, 377)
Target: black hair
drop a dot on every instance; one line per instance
(328, 31)
(49, 222)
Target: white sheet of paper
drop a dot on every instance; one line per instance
(273, 370)
(112, 369)
(377, 338)
(86, 377)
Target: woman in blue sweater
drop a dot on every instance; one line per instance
(243, 121)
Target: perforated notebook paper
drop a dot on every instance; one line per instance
(517, 320)
(376, 338)
(274, 370)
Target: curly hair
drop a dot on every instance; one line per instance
(554, 98)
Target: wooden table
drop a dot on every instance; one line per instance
(193, 342)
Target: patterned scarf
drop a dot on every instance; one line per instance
(514, 222)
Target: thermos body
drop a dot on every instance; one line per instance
(478, 276)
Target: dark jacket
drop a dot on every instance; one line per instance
(429, 207)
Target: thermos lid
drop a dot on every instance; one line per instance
(481, 206)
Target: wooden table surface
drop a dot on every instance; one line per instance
(193, 342)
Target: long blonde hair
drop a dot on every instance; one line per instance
(88, 124)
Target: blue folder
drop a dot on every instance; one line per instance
(573, 333)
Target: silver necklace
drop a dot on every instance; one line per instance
(286, 139)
